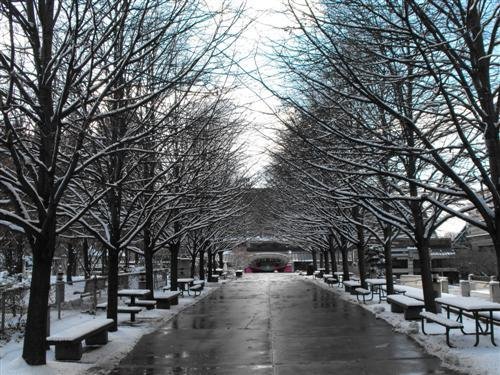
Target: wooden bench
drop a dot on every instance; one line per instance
(196, 289)
(441, 320)
(167, 299)
(407, 305)
(147, 303)
(68, 343)
(363, 292)
(132, 310)
(351, 285)
(238, 273)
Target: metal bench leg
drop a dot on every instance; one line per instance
(132, 316)
(423, 326)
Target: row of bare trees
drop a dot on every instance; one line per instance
(117, 128)
(391, 123)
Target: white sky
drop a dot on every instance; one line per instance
(254, 47)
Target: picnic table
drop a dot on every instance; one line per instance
(133, 293)
(376, 287)
(183, 283)
(475, 306)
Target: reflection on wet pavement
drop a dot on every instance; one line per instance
(276, 324)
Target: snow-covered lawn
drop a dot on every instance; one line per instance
(481, 360)
(120, 342)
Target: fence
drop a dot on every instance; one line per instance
(14, 300)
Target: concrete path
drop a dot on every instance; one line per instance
(276, 324)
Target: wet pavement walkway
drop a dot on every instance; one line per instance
(276, 324)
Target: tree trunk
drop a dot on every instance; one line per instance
(321, 262)
(112, 309)
(148, 258)
(426, 274)
(496, 244)
(70, 265)
(209, 264)
(193, 265)
(148, 263)
(315, 259)
(202, 265)
(345, 263)
(174, 263)
(35, 344)
(221, 259)
(327, 262)
(86, 260)
(331, 249)
(18, 258)
(389, 279)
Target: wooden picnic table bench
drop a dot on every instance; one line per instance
(441, 320)
(407, 305)
(132, 310)
(68, 343)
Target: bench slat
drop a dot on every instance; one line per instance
(79, 332)
(441, 320)
(404, 300)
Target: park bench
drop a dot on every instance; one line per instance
(238, 273)
(441, 320)
(167, 299)
(196, 289)
(407, 305)
(351, 285)
(68, 343)
(147, 303)
(132, 310)
(363, 292)
(317, 274)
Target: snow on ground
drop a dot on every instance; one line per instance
(107, 356)
(481, 360)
